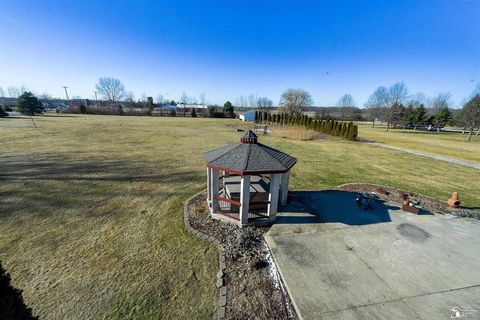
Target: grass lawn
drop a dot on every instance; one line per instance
(453, 145)
(91, 221)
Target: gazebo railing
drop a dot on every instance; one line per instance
(228, 207)
(231, 208)
(258, 209)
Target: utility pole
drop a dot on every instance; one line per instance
(66, 93)
(96, 100)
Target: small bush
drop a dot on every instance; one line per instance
(212, 111)
(82, 109)
(3, 113)
(28, 104)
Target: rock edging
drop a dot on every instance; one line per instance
(393, 194)
(221, 305)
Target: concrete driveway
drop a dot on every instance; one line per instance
(340, 262)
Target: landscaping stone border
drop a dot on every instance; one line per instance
(221, 305)
(393, 194)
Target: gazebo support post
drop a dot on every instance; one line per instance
(284, 188)
(273, 196)
(225, 175)
(209, 186)
(214, 189)
(244, 199)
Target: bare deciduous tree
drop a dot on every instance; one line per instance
(346, 104)
(391, 115)
(346, 101)
(45, 97)
(130, 101)
(440, 101)
(159, 100)
(397, 93)
(470, 115)
(263, 103)
(242, 101)
(417, 99)
(377, 101)
(202, 99)
(184, 99)
(111, 89)
(295, 100)
(15, 92)
(252, 100)
(129, 95)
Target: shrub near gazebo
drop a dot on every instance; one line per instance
(247, 180)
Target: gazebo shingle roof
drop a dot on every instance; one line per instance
(249, 157)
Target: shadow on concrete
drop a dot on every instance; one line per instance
(332, 206)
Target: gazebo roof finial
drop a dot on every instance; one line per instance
(249, 137)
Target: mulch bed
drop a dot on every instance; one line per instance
(254, 290)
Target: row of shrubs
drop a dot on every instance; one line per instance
(82, 109)
(345, 130)
(211, 112)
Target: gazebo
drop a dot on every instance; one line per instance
(247, 180)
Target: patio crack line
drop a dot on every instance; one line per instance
(372, 269)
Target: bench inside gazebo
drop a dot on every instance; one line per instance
(247, 181)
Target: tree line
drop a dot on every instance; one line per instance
(345, 130)
(396, 107)
(392, 105)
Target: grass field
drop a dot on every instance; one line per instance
(91, 221)
(454, 145)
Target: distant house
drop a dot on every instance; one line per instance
(11, 102)
(46, 105)
(191, 106)
(248, 116)
(57, 105)
(169, 107)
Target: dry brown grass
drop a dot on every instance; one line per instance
(286, 132)
(91, 221)
(296, 133)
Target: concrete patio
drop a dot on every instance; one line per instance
(340, 262)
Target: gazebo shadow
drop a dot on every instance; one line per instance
(332, 206)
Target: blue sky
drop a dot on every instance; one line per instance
(228, 48)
